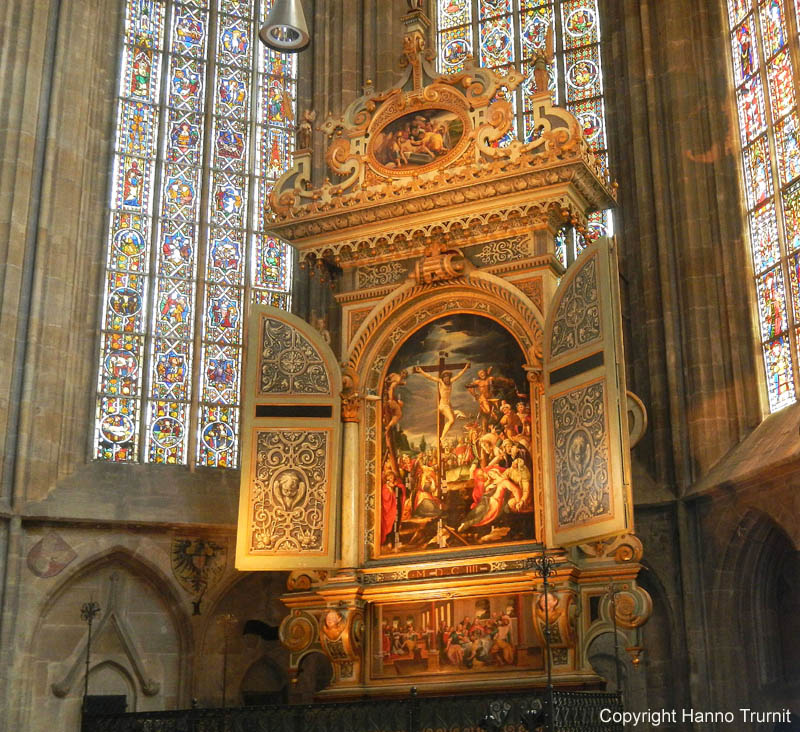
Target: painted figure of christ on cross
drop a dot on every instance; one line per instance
(444, 382)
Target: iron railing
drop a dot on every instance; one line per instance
(510, 712)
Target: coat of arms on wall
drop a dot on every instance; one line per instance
(456, 467)
(198, 564)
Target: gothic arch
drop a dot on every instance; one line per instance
(244, 596)
(58, 619)
(750, 585)
(404, 310)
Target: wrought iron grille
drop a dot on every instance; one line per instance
(511, 712)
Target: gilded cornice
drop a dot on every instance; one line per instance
(389, 198)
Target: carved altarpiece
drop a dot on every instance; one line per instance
(481, 410)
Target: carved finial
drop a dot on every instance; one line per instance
(304, 130)
(541, 61)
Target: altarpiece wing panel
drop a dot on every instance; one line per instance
(291, 446)
(587, 473)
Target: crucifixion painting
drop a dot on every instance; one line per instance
(456, 466)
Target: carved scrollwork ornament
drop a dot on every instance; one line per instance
(298, 631)
(304, 579)
(623, 549)
(633, 606)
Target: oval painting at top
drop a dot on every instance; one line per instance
(424, 138)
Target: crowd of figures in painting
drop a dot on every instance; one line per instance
(456, 636)
(456, 433)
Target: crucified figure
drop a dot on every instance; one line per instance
(445, 385)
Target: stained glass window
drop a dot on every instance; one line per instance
(504, 33)
(205, 119)
(763, 36)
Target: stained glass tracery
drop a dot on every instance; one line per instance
(504, 33)
(180, 271)
(765, 76)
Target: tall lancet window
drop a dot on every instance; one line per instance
(503, 33)
(204, 126)
(766, 73)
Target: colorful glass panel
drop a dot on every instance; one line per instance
(781, 84)
(136, 129)
(456, 47)
(773, 27)
(791, 216)
(761, 26)
(580, 21)
(757, 172)
(591, 116)
(163, 302)
(780, 374)
(142, 73)
(491, 8)
(189, 31)
(787, 143)
(144, 22)
(764, 237)
(168, 432)
(218, 436)
(752, 113)
(737, 9)
(454, 12)
(582, 73)
(116, 436)
(535, 24)
(121, 374)
(772, 304)
(497, 45)
(745, 56)
(270, 263)
(221, 368)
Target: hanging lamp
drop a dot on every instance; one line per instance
(285, 29)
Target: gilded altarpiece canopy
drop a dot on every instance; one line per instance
(479, 401)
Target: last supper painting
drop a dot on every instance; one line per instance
(456, 466)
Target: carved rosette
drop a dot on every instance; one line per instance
(341, 635)
(580, 437)
(290, 500)
(562, 613)
(289, 363)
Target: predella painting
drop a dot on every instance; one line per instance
(458, 636)
(456, 433)
(418, 138)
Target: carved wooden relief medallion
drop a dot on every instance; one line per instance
(581, 459)
(577, 320)
(289, 363)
